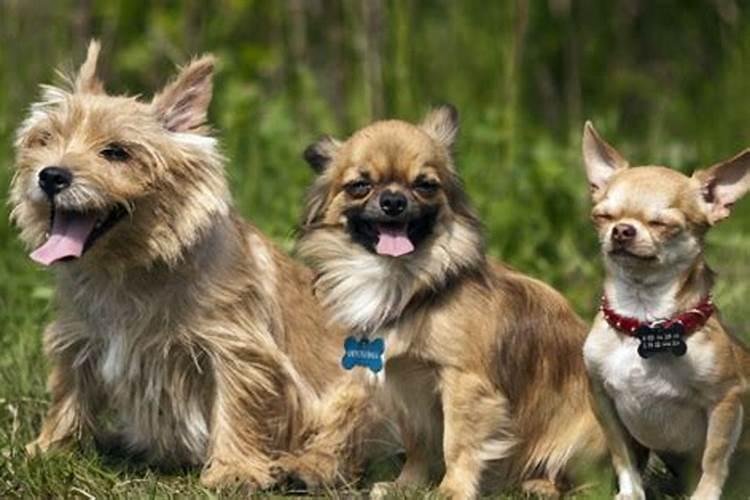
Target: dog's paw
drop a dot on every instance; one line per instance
(384, 489)
(34, 449)
(450, 491)
(221, 474)
(706, 492)
(315, 470)
(38, 447)
(278, 473)
(635, 495)
(700, 496)
(541, 488)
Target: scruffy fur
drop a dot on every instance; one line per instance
(483, 362)
(690, 405)
(182, 324)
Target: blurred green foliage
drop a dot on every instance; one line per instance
(666, 81)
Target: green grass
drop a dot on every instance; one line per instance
(666, 82)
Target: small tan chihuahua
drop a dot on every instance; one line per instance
(665, 375)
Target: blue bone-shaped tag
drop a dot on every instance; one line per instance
(367, 353)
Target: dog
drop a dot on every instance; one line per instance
(665, 375)
(482, 365)
(177, 321)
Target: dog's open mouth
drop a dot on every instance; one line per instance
(389, 238)
(72, 233)
(393, 239)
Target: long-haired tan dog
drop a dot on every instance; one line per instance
(177, 321)
(681, 394)
(483, 364)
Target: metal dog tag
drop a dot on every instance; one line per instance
(656, 338)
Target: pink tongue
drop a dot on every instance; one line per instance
(66, 239)
(393, 242)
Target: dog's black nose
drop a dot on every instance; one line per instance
(52, 180)
(622, 233)
(393, 203)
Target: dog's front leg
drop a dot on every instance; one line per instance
(74, 392)
(68, 416)
(724, 429)
(476, 428)
(621, 445)
(247, 412)
(72, 410)
(415, 472)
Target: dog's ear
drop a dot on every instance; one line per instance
(182, 106)
(441, 123)
(315, 203)
(86, 81)
(320, 153)
(724, 184)
(600, 159)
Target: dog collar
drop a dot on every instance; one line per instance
(664, 334)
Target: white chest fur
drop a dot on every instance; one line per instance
(657, 399)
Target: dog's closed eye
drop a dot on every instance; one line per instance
(664, 225)
(601, 217)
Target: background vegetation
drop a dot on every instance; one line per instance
(667, 81)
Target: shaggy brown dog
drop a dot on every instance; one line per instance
(177, 320)
(481, 361)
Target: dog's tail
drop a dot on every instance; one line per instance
(740, 354)
(573, 433)
(745, 364)
(554, 419)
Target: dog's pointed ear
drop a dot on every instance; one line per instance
(600, 159)
(182, 106)
(441, 123)
(723, 184)
(86, 81)
(320, 153)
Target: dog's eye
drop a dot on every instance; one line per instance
(425, 187)
(657, 224)
(114, 152)
(40, 139)
(358, 188)
(601, 217)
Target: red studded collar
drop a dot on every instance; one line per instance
(690, 320)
